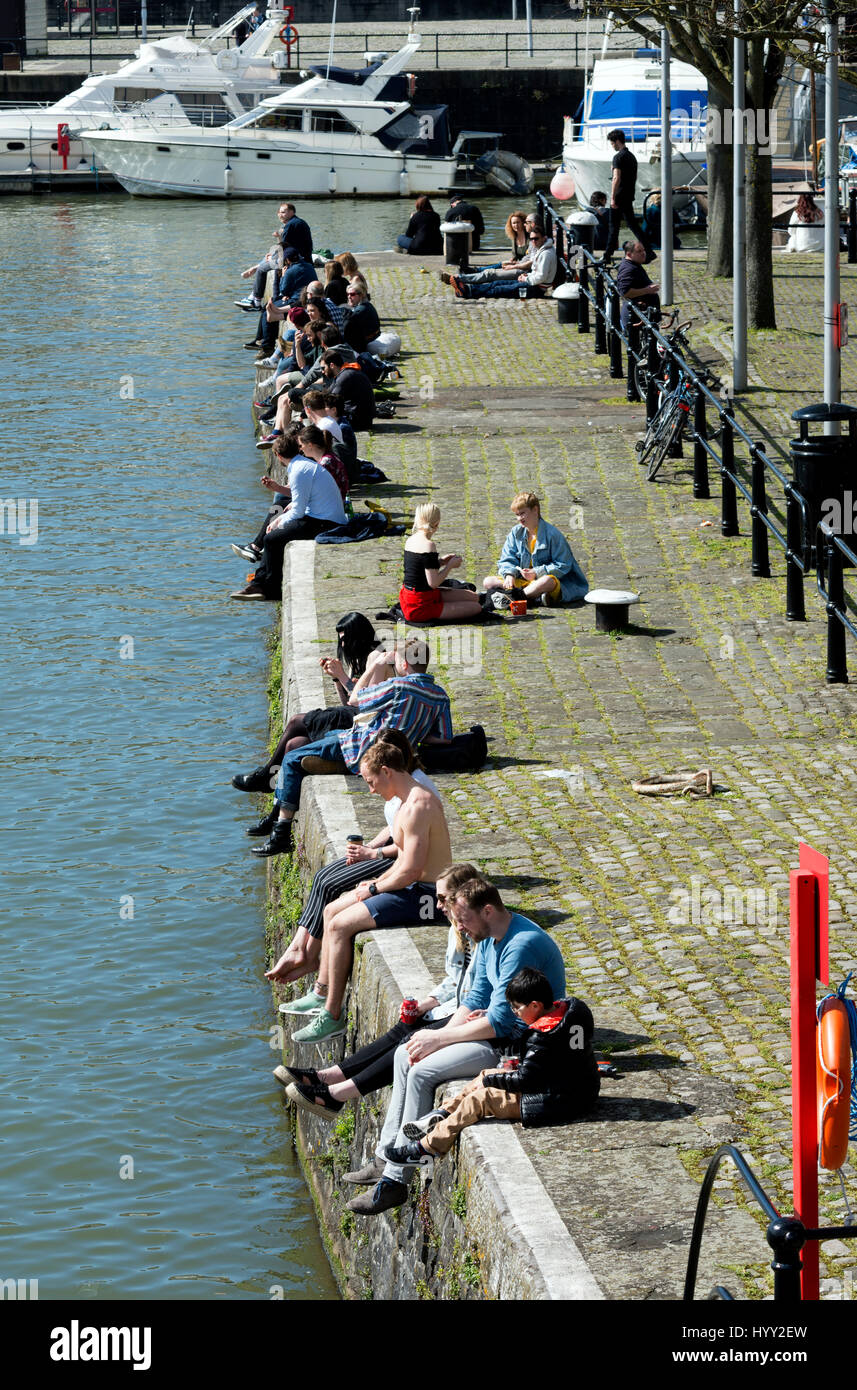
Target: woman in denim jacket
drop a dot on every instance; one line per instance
(536, 562)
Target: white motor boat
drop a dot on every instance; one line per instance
(625, 94)
(343, 131)
(174, 80)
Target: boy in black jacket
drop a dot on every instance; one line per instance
(555, 1081)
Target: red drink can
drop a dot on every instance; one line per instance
(408, 1013)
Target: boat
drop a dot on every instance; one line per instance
(173, 80)
(625, 94)
(340, 131)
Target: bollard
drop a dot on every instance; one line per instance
(795, 610)
(600, 316)
(837, 666)
(728, 495)
(852, 225)
(653, 389)
(676, 449)
(760, 563)
(700, 453)
(786, 1237)
(615, 339)
(634, 351)
(583, 301)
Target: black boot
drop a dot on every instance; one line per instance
(280, 841)
(258, 781)
(267, 823)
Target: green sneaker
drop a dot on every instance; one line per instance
(323, 1026)
(311, 1003)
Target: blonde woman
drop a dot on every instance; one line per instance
(422, 597)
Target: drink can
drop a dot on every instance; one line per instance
(408, 1013)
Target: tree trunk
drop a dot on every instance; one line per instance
(761, 312)
(719, 158)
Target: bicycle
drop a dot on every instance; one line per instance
(667, 427)
(677, 340)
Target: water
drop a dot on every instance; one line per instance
(143, 1144)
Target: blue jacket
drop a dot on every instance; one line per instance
(552, 555)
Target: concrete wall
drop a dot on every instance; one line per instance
(37, 28)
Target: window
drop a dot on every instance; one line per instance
(19, 145)
(279, 119)
(332, 121)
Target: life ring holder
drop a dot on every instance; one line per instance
(288, 34)
(833, 1080)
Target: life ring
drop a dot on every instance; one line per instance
(288, 34)
(833, 1082)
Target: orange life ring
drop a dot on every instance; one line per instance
(287, 35)
(833, 1082)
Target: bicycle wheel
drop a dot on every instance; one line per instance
(671, 436)
(661, 423)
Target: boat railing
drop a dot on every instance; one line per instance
(686, 128)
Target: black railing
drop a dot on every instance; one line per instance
(788, 519)
(786, 1235)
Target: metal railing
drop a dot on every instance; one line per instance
(786, 1235)
(806, 547)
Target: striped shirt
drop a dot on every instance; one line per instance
(412, 704)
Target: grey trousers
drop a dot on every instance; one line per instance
(414, 1088)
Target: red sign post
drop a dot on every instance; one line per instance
(808, 904)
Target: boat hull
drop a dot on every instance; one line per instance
(167, 167)
(592, 170)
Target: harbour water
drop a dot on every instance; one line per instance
(143, 1143)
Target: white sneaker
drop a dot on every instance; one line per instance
(418, 1129)
(500, 598)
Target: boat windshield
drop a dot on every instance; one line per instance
(292, 118)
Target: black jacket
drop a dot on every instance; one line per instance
(361, 326)
(558, 1077)
(467, 212)
(424, 229)
(352, 389)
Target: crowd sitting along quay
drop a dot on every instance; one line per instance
(691, 1003)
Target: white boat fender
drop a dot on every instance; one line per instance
(404, 184)
(507, 171)
(331, 180)
(385, 345)
(228, 178)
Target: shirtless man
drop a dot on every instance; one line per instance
(403, 895)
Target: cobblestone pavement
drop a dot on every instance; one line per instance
(672, 914)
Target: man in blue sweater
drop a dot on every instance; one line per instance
(471, 1041)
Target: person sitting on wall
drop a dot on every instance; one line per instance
(532, 284)
(518, 233)
(461, 211)
(422, 236)
(404, 895)
(600, 211)
(555, 1081)
(361, 325)
(371, 1067)
(537, 561)
(411, 701)
(474, 1037)
(350, 387)
(360, 864)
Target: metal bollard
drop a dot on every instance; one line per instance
(615, 339)
(728, 495)
(760, 563)
(634, 351)
(583, 302)
(786, 1237)
(653, 390)
(795, 610)
(700, 453)
(600, 319)
(837, 666)
(852, 225)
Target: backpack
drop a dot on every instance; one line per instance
(465, 753)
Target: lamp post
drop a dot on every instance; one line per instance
(832, 363)
(739, 215)
(666, 276)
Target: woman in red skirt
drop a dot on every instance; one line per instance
(422, 598)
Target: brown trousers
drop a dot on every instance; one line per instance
(474, 1103)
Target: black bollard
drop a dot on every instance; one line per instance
(615, 339)
(728, 495)
(795, 609)
(600, 313)
(760, 563)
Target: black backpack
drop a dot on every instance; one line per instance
(465, 753)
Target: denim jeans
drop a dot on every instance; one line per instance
(414, 1088)
(288, 793)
